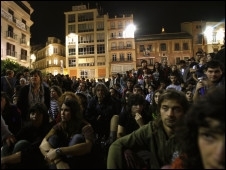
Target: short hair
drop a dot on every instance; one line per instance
(36, 71)
(8, 72)
(172, 94)
(214, 64)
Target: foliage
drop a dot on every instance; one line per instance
(11, 65)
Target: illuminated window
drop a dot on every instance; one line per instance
(72, 62)
(55, 61)
(114, 57)
(129, 56)
(71, 51)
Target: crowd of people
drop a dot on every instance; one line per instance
(167, 117)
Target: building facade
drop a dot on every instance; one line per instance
(207, 36)
(15, 31)
(172, 47)
(99, 46)
(121, 44)
(51, 58)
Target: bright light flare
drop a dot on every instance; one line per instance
(129, 31)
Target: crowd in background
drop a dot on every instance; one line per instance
(70, 122)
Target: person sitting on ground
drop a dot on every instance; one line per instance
(133, 116)
(156, 137)
(25, 153)
(7, 136)
(69, 142)
(10, 113)
(202, 134)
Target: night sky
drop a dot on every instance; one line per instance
(149, 16)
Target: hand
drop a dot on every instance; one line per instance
(10, 140)
(139, 119)
(51, 155)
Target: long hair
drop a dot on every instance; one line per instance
(73, 126)
(211, 106)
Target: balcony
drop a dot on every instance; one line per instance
(23, 41)
(122, 60)
(23, 57)
(121, 47)
(11, 35)
(11, 53)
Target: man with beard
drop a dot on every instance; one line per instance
(156, 137)
(213, 77)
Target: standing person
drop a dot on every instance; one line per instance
(82, 88)
(54, 109)
(157, 74)
(33, 93)
(157, 136)
(166, 70)
(214, 77)
(144, 66)
(8, 83)
(202, 134)
(174, 83)
(25, 154)
(70, 140)
(185, 71)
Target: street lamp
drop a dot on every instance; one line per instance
(32, 59)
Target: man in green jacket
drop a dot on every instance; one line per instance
(157, 137)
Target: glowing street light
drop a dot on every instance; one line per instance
(129, 31)
(32, 59)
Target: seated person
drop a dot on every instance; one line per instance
(133, 116)
(69, 142)
(156, 137)
(25, 153)
(202, 134)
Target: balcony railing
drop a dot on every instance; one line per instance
(11, 53)
(10, 34)
(122, 60)
(23, 41)
(23, 57)
(121, 47)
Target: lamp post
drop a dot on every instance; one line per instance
(32, 59)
